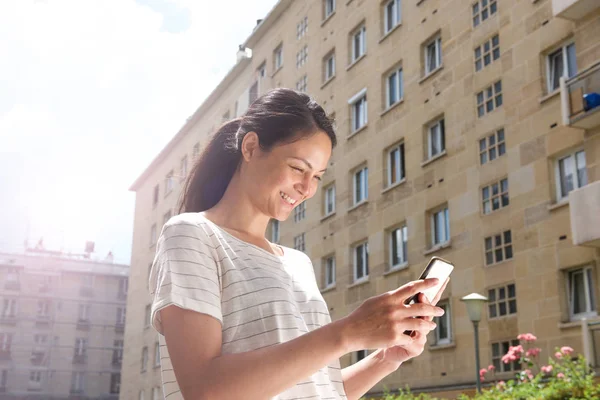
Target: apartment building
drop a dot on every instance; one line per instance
(62, 326)
(467, 130)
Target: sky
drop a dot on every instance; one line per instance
(90, 92)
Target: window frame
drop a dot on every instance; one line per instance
(441, 124)
(567, 73)
(329, 8)
(434, 224)
(329, 266)
(400, 168)
(364, 246)
(436, 41)
(483, 99)
(364, 185)
(502, 247)
(503, 347)
(300, 242)
(491, 196)
(590, 293)
(498, 147)
(396, 17)
(278, 57)
(493, 52)
(447, 317)
(399, 87)
(478, 10)
(495, 301)
(403, 259)
(576, 179)
(329, 194)
(329, 73)
(359, 111)
(361, 31)
(144, 360)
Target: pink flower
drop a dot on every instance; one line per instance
(560, 375)
(558, 355)
(482, 371)
(528, 373)
(527, 337)
(501, 384)
(491, 368)
(547, 369)
(566, 350)
(516, 350)
(533, 352)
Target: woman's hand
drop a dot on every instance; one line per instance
(398, 354)
(380, 322)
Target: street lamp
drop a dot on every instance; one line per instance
(474, 304)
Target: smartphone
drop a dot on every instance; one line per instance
(436, 268)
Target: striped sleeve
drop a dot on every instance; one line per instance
(185, 272)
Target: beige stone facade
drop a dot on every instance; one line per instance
(471, 158)
(62, 326)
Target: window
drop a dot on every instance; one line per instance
(43, 310)
(5, 342)
(77, 382)
(482, 10)
(329, 271)
(394, 88)
(486, 53)
(495, 196)
(433, 55)
(87, 281)
(144, 358)
(261, 72)
(489, 99)
(300, 212)
(329, 8)
(443, 333)
(155, 196)
(302, 57)
(253, 93)
(40, 339)
(361, 261)
(329, 200)
(278, 57)
(358, 110)
(392, 13)
(115, 383)
(582, 297)
(156, 393)
(141, 395)
(117, 357)
(499, 349)
(9, 309)
(196, 151)
(398, 247)
(167, 217)
(275, 231)
(361, 185)
(123, 285)
(156, 355)
(299, 242)
(361, 354)
(561, 62)
(153, 235)
(80, 346)
(359, 43)
(329, 66)
(395, 165)
(35, 377)
(121, 313)
(436, 138)
(147, 317)
(3, 379)
(302, 84)
(301, 28)
(84, 312)
(169, 183)
(183, 168)
(502, 301)
(12, 275)
(492, 146)
(571, 173)
(440, 223)
(498, 248)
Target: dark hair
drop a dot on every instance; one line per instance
(279, 116)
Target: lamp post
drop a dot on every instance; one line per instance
(475, 304)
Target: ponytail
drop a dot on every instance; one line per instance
(210, 176)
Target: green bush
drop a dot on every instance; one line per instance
(563, 378)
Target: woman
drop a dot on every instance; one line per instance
(243, 318)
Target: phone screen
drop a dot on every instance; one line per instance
(436, 268)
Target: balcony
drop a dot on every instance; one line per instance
(37, 357)
(580, 98)
(120, 328)
(584, 205)
(574, 10)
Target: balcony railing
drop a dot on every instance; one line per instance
(580, 98)
(83, 324)
(79, 358)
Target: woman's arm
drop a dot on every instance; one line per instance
(360, 377)
(203, 373)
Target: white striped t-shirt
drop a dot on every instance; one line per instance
(261, 299)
